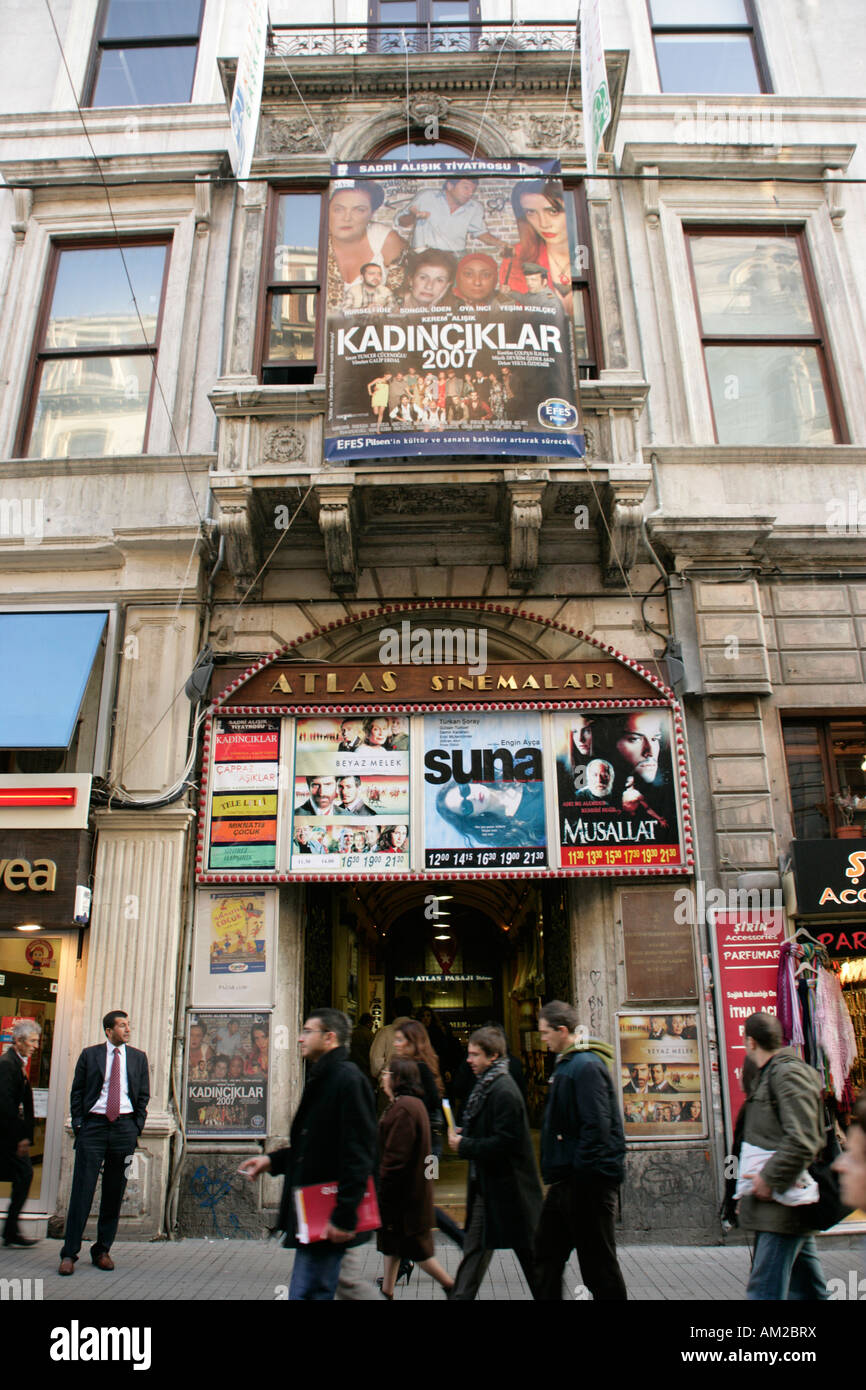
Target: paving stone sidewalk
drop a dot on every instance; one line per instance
(217, 1270)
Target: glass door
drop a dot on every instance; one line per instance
(29, 988)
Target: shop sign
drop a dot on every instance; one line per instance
(830, 877)
(39, 875)
(747, 963)
(456, 336)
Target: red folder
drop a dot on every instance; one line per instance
(314, 1207)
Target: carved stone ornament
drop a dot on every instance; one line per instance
(336, 526)
(589, 436)
(284, 444)
(425, 105)
(524, 530)
(623, 507)
(551, 132)
(420, 501)
(297, 133)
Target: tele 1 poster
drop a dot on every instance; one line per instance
(351, 804)
(615, 789)
(451, 314)
(234, 948)
(483, 792)
(227, 1064)
(660, 1076)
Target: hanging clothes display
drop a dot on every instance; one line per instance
(813, 1013)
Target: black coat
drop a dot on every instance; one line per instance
(16, 1104)
(332, 1139)
(89, 1079)
(582, 1135)
(505, 1172)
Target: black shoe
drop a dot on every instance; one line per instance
(405, 1271)
(19, 1242)
(379, 1282)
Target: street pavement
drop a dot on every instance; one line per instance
(205, 1270)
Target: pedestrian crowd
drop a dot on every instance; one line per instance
(792, 1177)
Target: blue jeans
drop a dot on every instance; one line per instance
(786, 1267)
(315, 1272)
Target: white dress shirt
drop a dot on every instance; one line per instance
(125, 1104)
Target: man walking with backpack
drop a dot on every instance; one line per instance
(784, 1115)
(583, 1159)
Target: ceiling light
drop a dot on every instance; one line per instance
(443, 936)
(29, 926)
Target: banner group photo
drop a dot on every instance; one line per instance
(450, 310)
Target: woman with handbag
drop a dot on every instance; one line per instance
(405, 1189)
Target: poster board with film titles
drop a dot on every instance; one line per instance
(227, 1069)
(660, 1079)
(235, 943)
(388, 793)
(244, 793)
(450, 311)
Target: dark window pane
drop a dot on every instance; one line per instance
(145, 76)
(768, 395)
(292, 330)
(145, 19)
(581, 309)
(93, 305)
(751, 285)
(809, 796)
(82, 394)
(296, 251)
(717, 63)
(703, 13)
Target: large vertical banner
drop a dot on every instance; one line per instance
(747, 955)
(351, 794)
(595, 95)
(247, 94)
(450, 311)
(616, 795)
(483, 792)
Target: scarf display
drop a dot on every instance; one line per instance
(478, 1094)
(813, 1014)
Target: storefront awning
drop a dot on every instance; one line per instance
(46, 659)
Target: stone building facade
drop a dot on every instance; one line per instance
(721, 554)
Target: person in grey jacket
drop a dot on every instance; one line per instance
(783, 1114)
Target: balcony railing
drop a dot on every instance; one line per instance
(461, 36)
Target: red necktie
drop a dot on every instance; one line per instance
(112, 1108)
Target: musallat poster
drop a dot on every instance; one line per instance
(615, 788)
(484, 791)
(660, 1075)
(244, 786)
(227, 1067)
(450, 311)
(351, 794)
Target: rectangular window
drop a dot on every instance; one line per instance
(92, 379)
(423, 26)
(763, 338)
(587, 336)
(145, 52)
(826, 774)
(707, 46)
(295, 250)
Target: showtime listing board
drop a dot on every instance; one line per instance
(351, 794)
(244, 794)
(484, 792)
(615, 789)
(450, 311)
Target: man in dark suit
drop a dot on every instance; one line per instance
(16, 1124)
(332, 1140)
(108, 1104)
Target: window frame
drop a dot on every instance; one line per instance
(423, 21)
(585, 280)
(268, 288)
(39, 354)
(818, 339)
(749, 27)
(100, 45)
(821, 719)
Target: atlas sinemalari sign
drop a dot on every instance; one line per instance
(39, 873)
(286, 684)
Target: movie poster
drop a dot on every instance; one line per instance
(615, 789)
(227, 1063)
(351, 808)
(233, 963)
(660, 1076)
(483, 791)
(450, 311)
(243, 788)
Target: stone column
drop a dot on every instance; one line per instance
(134, 942)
